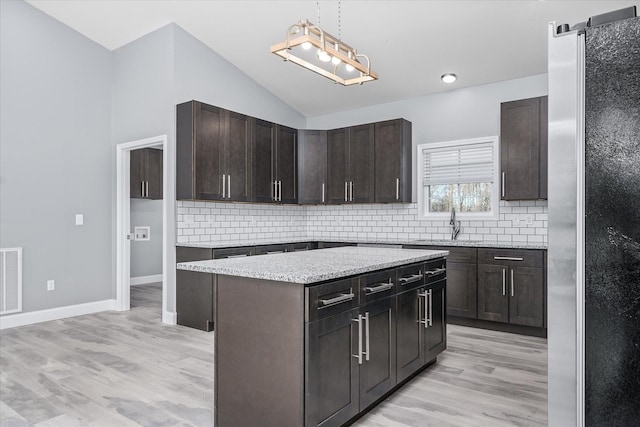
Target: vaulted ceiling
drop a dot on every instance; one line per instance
(410, 43)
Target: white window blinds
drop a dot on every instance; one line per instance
(458, 164)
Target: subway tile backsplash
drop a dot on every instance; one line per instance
(214, 221)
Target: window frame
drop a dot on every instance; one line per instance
(424, 214)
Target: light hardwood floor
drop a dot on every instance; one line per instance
(128, 369)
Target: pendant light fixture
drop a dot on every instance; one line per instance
(332, 58)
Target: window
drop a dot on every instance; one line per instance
(460, 175)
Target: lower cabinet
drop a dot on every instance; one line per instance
(366, 335)
(194, 291)
(511, 287)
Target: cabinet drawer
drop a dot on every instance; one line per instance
(232, 252)
(410, 277)
(331, 298)
(379, 284)
(458, 254)
(270, 249)
(435, 270)
(297, 247)
(185, 254)
(512, 257)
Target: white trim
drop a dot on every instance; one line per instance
(18, 251)
(495, 196)
(143, 280)
(170, 317)
(123, 220)
(29, 318)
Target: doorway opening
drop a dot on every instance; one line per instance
(125, 235)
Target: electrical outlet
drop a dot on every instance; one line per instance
(79, 219)
(51, 285)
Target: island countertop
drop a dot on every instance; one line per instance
(315, 266)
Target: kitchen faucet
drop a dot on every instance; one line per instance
(455, 225)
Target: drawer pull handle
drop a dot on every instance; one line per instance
(508, 258)
(411, 279)
(380, 288)
(436, 271)
(337, 300)
(237, 256)
(274, 252)
(359, 321)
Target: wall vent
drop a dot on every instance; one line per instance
(10, 280)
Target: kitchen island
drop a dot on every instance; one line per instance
(317, 337)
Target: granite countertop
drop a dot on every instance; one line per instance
(276, 241)
(308, 267)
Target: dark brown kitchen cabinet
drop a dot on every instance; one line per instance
(435, 319)
(350, 160)
(393, 161)
(523, 149)
(194, 291)
(146, 174)
(511, 286)
(312, 166)
(213, 155)
(274, 162)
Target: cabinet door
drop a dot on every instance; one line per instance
(378, 370)
(237, 156)
(544, 147)
(436, 330)
(361, 164)
(462, 290)
(207, 155)
(493, 303)
(194, 299)
(153, 173)
(332, 375)
(520, 149)
(526, 305)
(393, 161)
(312, 166)
(262, 149)
(287, 164)
(136, 172)
(337, 166)
(409, 333)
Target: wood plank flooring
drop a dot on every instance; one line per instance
(129, 369)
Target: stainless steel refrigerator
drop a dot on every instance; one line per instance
(594, 221)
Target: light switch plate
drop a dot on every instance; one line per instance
(51, 285)
(79, 219)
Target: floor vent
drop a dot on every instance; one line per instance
(10, 280)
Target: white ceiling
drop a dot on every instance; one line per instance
(410, 43)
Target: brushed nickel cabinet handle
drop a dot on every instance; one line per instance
(359, 355)
(366, 334)
(380, 288)
(511, 282)
(411, 279)
(337, 300)
(504, 281)
(141, 188)
(229, 187)
(279, 191)
(430, 307)
(508, 258)
(224, 185)
(436, 271)
(397, 188)
(351, 190)
(425, 322)
(503, 183)
(323, 192)
(147, 188)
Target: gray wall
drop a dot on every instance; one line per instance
(457, 114)
(55, 157)
(146, 255)
(203, 75)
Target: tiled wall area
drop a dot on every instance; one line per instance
(210, 221)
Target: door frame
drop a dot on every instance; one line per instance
(123, 222)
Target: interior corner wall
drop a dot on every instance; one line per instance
(465, 113)
(203, 75)
(55, 157)
(142, 107)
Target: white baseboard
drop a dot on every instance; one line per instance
(29, 318)
(143, 280)
(170, 317)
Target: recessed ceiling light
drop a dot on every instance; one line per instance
(449, 78)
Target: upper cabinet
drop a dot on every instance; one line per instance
(350, 160)
(523, 149)
(393, 161)
(274, 162)
(312, 166)
(146, 174)
(212, 153)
